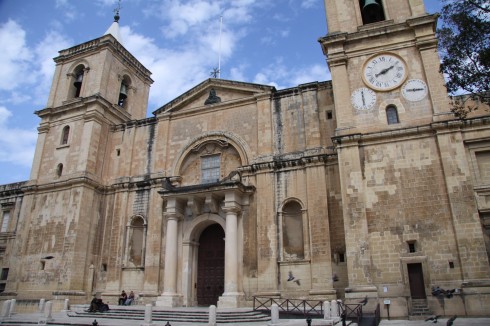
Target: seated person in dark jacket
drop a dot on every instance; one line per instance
(96, 305)
(122, 298)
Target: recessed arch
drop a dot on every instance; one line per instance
(294, 230)
(234, 140)
(198, 224)
(209, 158)
(135, 241)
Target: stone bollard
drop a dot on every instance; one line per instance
(41, 305)
(274, 314)
(148, 318)
(326, 311)
(335, 311)
(66, 305)
(212, 315)
(12, 307)
(5, 309)
(47, 317)
(48, 310)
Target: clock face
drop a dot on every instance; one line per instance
(414, 90)
(384, 72)
(363, 98)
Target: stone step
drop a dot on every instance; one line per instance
(177, 315)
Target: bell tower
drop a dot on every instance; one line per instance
(97, 85)
(383, 59)
(392, 113)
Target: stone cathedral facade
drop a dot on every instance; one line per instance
(365, 185)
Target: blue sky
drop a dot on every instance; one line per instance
(271, 42)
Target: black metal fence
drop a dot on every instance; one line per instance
(352, 311)
(290, 306)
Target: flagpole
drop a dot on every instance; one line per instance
(219, 50)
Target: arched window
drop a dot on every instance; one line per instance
(136, 241)
(292, 229)
(392, 114)
(59, 170)
(372, 11)
(64, 135)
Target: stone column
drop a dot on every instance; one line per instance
(170, 297)
(231, 251)
(232, 296)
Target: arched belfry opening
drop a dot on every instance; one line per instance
(211, 265)
(124, 87)
(372, 11)
(77, 81)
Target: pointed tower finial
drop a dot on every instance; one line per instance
(114, 28)
(116, 12)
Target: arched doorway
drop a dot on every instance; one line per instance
(211, 265)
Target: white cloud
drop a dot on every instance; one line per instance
(25, 67)
(280, 76)
(309, 3)
(45, 51)
(15, 57)
(185, 15)
(16, 145)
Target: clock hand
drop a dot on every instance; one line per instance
(415, 89)
(384, 71)
(363, 101)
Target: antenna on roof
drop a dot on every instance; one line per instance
(216, 73)
(116, 11)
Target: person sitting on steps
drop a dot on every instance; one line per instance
(96, 305)
(130, 299)
(122, 298)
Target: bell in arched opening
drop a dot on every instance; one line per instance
(123, 94)
(78, 83)
(372, 12)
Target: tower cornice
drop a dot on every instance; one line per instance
(104, 42)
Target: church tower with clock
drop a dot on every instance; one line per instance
(399, 154)
(384, 66)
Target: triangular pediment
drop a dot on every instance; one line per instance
(214, 92)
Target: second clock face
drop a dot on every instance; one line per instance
(363, 98)
(384, 72)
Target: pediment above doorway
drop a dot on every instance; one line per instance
(215, 198)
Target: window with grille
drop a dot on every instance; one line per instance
(210, 168)
(392, 115)
(5, 221)
(64, 135)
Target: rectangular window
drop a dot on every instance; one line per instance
(5, 274)
(210, 168)
(341, 257)
(5, 221)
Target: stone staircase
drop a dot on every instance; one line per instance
(182, 315)
(420, 309)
